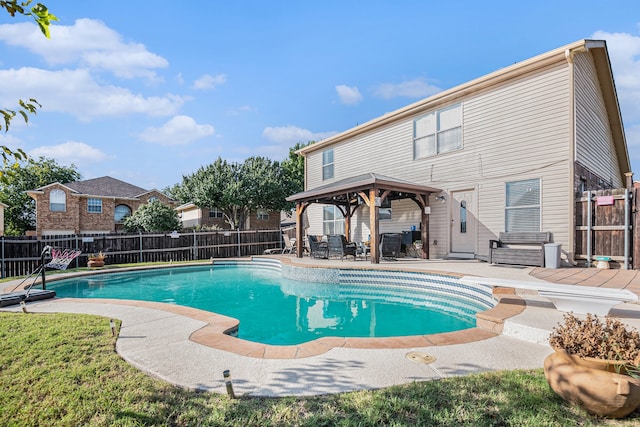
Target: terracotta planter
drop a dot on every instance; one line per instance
(92, 263)
(593, 384)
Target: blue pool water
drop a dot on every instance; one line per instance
(280, 311)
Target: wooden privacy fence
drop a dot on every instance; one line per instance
(21, 255)
(605, 226)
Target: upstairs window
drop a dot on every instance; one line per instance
(57, 201)
(327, 164)
(121, 212)
(153, 199)
(522, 209)
(438, 132)
(94, 205)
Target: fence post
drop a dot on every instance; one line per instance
(77, 264)
(140, 232)
(635, 253)
(195, 245)
(3, 275)
(239, 253)
(589, 207)
(627, 227)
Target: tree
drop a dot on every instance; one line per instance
(237, 189)
(293, 168)
(153, 216)
(20, 216)
(43, 18)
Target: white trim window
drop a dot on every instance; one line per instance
(522, 208)
(57, 201)
(263, 214)
(327, 164)
(121, 212)
(94, 205)
(332, 220)
(154, 199)
(215, 213)
(438, 132)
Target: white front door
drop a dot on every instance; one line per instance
(463, 221)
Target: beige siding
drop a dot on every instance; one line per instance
(517, 130)
(594, 141)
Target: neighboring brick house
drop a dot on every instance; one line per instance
(192, 216)
(93, 206)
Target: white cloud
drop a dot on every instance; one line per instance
(9, 140)
(416, 88)
(291, 135)
(633, 141)
(71, 152)
(348, 95)
(208, 81)
(624, 52)
(89, 43)
(77, 93)
(179, 130)
(243, 109)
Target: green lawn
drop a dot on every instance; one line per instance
(62, 369)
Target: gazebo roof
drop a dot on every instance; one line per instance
(344, 190)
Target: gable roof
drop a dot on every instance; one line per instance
(106, 186)
(598, 49)
(339, 191)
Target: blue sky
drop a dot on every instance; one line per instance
(148, 91)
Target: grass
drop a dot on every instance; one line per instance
(61, 369)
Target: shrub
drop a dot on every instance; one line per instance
(592, 337)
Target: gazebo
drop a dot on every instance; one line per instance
(370, 190)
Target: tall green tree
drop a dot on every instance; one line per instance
(43, 18)
(153, 216)
(20, 215)
(237, 189)
(293, 167)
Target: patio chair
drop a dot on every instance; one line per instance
(362, 250)
(338, 246)
(390, 244)
(318, 249)
(289, 244)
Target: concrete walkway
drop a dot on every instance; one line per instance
(157, 341)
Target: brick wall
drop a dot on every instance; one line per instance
(77, 219)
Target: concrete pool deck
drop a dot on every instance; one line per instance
(159, 339)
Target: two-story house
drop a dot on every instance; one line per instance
(93, 206)
(508, 151)
(192, 216)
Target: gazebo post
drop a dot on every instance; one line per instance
(300, 207)
(424, 229)
(374, 223)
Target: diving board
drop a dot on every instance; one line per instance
(575, 298)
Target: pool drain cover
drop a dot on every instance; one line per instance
(416, 356)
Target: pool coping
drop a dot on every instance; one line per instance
(215, 333)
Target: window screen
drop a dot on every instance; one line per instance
(522, 212)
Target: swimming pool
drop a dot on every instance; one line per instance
(281, 309)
